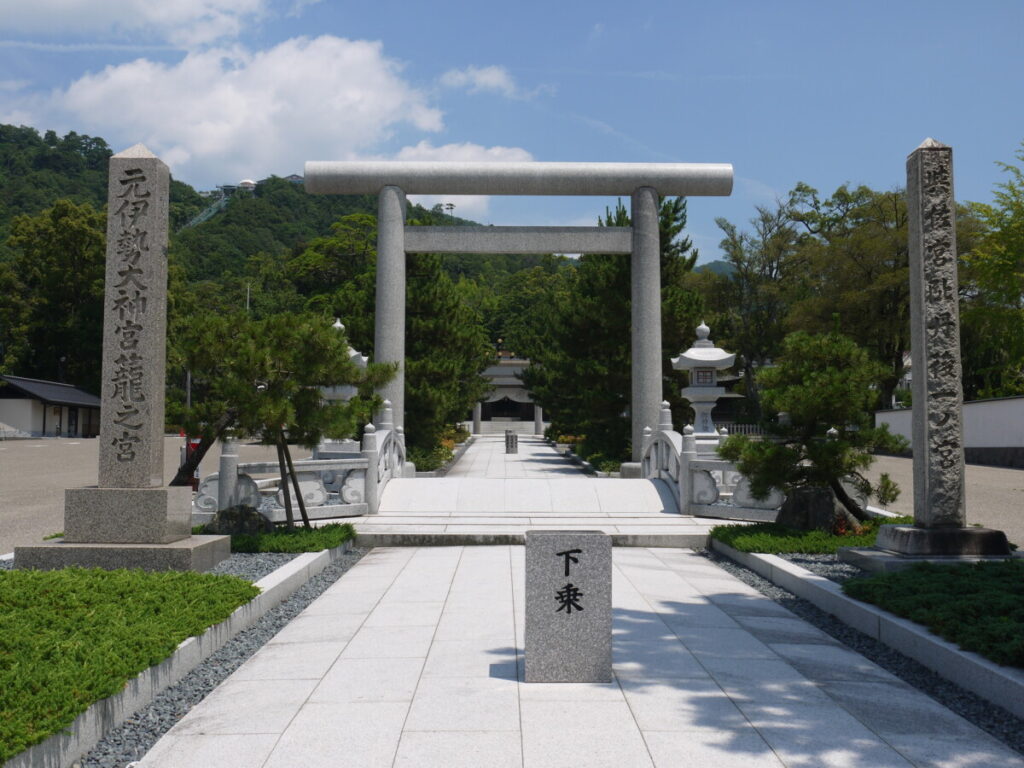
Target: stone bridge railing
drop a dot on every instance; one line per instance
(702, 484)
(345, 483)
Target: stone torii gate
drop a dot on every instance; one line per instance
(643, 182)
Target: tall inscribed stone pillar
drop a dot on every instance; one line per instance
(939, 511)
(131, 519)
(134, 322)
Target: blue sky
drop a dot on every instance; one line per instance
(820, 92)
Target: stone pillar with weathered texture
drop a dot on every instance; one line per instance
(134, 322)
(538, 420)
(939, 509)
(646, 315)
(389, 315)
(568, 617)
(132, 519)
(935, 338)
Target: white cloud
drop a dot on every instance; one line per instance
(182, 22)
(482, 79)
(476, 207)
(298, 6)
(224, 114)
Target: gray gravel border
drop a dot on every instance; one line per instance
(991, 718)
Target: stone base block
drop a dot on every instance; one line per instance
(877, 560)
(127, 515)
(195, 553)
(951, 542)
(631, 470)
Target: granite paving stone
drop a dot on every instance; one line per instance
(721, 748)
(440, 682)
(459, 749)
(355, 681)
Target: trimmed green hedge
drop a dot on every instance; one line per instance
(69, 638)
(980, 607)
(772, 538)
(298, 540)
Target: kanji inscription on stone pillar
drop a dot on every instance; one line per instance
(134, 322)
(935, 339)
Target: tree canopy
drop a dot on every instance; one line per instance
(818, 396)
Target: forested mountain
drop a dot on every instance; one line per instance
(813, 262)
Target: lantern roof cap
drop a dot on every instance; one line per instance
(703, 353)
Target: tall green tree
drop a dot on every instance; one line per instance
(992, 309)
(581, 358)
(753, 299)
(51, 295)
(446, 350)
(858, 273)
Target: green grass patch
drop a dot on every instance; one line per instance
(772, 538)
(69, 638)
(299, 540)
(980, 607)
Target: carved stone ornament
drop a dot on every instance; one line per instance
(310, 486)
(704, 489)
(353, 491)
(742, 497)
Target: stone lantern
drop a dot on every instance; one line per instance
(341, 449)
(703, 360)
(345, 392)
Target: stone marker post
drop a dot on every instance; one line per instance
(131, 505)
(477, 417)
(568, 607)
(939, 514)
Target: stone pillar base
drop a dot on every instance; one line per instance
(911, 540)
(127, 515)
(195, 553)
(877, 560)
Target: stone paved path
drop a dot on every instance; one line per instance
(414, 658)
(490, 493)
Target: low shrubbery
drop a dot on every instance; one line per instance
(295, 540)
(979, 607)
(298, 540)
(773, 538)
(429, 460)
(69, 638)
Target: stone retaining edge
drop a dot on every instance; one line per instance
(62, 749)
(1003, 686)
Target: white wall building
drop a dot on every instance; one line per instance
(993, 430)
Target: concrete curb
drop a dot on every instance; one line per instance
(64, 748)
(1000, 685)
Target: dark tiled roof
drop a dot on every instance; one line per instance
(52, 392)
